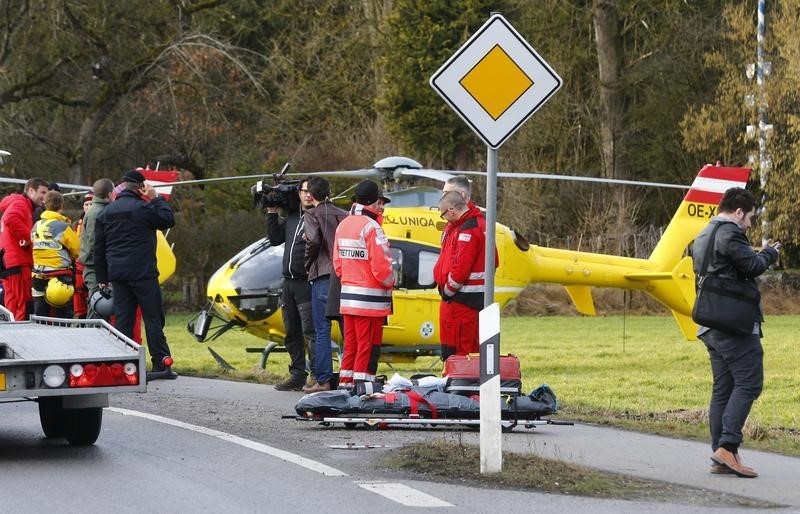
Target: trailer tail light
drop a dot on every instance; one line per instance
(98, 374)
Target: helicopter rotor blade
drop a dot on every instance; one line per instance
(81, 189)
(362, 173)
(441, 176)
(577, 178)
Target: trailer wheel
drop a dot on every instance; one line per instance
(51, 416)
(82, 426)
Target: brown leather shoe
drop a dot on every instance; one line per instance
(731, 461)
(719, 469)
(317, 387)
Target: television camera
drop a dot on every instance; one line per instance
(281, 194)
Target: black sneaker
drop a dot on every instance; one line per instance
(165, 373)
(295, 383)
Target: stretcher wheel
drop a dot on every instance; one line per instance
(350, 426)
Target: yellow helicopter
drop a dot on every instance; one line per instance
(245, 292)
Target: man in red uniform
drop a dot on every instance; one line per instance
(461, 185)
(362, 261)
(15, 241)
(459, 273)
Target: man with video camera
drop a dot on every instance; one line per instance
(295, 289)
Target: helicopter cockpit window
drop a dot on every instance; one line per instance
(425, 273)
(397, 266)
(413, 263)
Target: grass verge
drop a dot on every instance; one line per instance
(455, 462)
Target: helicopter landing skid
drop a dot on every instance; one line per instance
(268, 348)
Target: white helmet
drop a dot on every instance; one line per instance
(102, 303)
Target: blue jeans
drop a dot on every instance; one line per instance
(323, 357)
(738, 370)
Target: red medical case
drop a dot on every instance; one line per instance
(463, 374)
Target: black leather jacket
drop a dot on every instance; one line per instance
(732, 255)
(320, 226)
(289, 231)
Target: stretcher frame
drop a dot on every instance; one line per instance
(387, 420)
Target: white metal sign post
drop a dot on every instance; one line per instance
(495, 82)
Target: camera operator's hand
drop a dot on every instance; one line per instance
(269, 210)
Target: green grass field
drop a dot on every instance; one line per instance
(634, 371)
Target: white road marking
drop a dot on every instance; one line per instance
(404, 494)
(399, 493)
(259, 447)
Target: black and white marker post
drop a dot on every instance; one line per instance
(491, 442)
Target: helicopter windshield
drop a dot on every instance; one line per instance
(259, 268)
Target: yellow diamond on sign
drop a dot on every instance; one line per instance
(496, 82)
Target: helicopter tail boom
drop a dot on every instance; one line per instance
(667, 275)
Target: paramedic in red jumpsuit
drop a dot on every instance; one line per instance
(361, 259)
(15, 240)
(459, 274)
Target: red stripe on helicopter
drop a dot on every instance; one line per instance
(712, 182)
(161, 180)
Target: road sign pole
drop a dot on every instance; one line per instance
(491, 217)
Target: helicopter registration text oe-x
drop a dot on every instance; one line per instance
(699, 210)
(352, 249)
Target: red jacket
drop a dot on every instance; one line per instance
(362, 260)
(15, 226)
(459, 271)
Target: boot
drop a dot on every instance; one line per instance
(293, 383)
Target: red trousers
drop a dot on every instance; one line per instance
(459, 329)
(137, 325)
(362, 348)
(17, 293)
(80, 299)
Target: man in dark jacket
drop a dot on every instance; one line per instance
(736, 361)
(295, 289)
(125, 256)
(320, 229)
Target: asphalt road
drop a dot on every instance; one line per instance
(216, 446)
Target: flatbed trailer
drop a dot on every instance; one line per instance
(69, 367)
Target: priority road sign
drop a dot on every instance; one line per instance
(495, 81)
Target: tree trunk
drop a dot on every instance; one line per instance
(612, 101)
(610, 61)
(81, 167)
